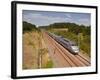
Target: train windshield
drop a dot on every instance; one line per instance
(75, 48)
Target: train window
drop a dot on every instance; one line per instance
(66, 40)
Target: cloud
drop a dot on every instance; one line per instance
(85, 21)
(68, 15)
(40, 18)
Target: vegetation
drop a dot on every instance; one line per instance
(49, 64)
(77, 33)
(28, 27)
(72, 27)
(35, 55)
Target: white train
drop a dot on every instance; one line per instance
(69, 45)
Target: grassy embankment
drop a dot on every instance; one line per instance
(35, 54)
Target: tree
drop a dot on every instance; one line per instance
(28, 27)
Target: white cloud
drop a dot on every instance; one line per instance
(43, 19)
(49, 18)
(68, 15)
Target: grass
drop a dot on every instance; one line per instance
(49, 64)
(32, 46)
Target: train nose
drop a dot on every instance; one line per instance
(75, 49)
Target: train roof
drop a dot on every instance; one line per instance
(71, 42)
(65, 39)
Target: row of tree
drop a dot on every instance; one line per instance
(72, 27)
(28, 27)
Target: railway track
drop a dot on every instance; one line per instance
(84, 60)
(57, 49)
(72, 60)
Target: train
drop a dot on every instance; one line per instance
(66, 43)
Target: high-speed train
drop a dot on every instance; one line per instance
(66, 43)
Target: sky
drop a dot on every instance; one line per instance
(43, 18)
